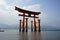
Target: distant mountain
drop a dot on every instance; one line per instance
(4, 26)
(43, 27)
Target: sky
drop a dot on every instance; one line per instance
(50, 11)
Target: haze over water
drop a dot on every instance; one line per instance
(16, 35)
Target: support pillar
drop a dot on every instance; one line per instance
(26, 24)
(23, 22)
(39, 25)
(34, 24)
(31, 25)
(20, 25)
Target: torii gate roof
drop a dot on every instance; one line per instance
(26, 11)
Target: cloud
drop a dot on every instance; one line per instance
(7, 13)
(34, 7)
(7, 17)
(2, 2)
(19, 2)
(5, 5)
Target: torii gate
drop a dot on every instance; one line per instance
(26, 13)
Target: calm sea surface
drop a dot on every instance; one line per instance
(16, 35)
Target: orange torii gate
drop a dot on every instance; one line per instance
(26, 13)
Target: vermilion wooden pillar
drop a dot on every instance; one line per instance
(20, 25)
(34, 23)
(31, 25)
(23, 23)
(39, 25)
(26, 24)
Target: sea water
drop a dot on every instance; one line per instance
(16, 35)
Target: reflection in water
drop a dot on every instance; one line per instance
(23, 36)
(35, 36)
(29, 36)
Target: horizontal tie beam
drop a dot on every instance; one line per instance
(36, 22)
(27, 16)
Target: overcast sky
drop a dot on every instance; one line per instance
(50, 11)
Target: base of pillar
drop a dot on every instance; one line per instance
(39, 30)
(26, 30)
(23, 30)
(35, 30)
(19, 30)
(31, 30)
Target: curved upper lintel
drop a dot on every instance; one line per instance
(26, 11)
